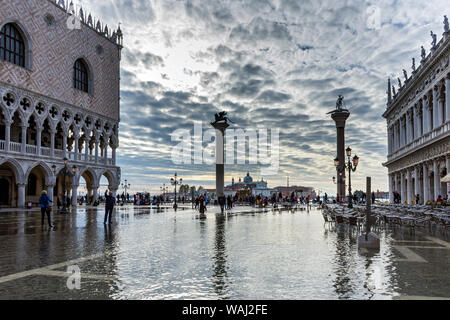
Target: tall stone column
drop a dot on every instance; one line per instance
(52, 143)
(408, 186)
(436, 179)
(402, 187)
(24, 139)
(436, 121)
(416, 183)
(220, 161)
(339, 117)
(426, 184)
(50, 191)
(38, 139)
(76, 138)
(7, 134)
(21, 195)
(391, 189)
(425, 112)
(402, 135)
(447, 98)
(94, 192)
(74, 195)
(65, 144)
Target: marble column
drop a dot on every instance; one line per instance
(24, 139)
(64, 144)
(402, 134)
(74, 195)
(447, 98)
(425, 112)
(86, 148)
(416, 128)
(417, 183)
(7, 134)
(21, 195)
(408, 119)
(408, 186)
(391, 188)
(436, 121)
(76, 150)
(96, 150)
(402, 187)
(426, 184)
(50, 191)
(220, 163)
(113, 155)
(436, 179)
(52, 143)
(38, 139)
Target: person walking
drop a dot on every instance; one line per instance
(44, 201)
(221, 201)
(109, 206)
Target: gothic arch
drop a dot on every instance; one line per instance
(48, 174)
(110, 176)
(88, 171)
(16, 168)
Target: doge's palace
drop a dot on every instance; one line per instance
(59, 98)
(418, 126)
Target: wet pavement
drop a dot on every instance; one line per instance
(161, 254)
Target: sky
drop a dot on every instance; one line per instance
(271, 64)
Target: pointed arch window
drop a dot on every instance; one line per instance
(80, 76)
(12, 45)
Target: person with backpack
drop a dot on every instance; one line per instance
(44, 201)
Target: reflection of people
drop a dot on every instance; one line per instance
(109, 206)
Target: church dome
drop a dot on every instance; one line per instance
(248, 179)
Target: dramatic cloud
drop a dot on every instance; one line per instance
(276, 64)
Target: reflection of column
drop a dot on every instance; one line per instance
(436, 179)
(21, 195)
(7, 134)
(391, 188)
(220, 166)
(426, 191)
(219, 258)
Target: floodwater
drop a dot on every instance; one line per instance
(245, 254)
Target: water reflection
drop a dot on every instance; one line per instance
(220, 258)
(342, 283)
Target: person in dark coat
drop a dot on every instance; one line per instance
(109, 206)
(221, 203)
(44, 201)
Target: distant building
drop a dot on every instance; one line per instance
(418, 128)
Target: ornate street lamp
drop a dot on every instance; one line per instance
(174, 181)
(66, 173)
(126, 186)
(351, 166)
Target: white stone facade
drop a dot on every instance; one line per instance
(44, 118)
(418, 123)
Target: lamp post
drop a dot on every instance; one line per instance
(66, 173)
(351, 166)
(126, 186)
(174, 181)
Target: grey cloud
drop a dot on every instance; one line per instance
(270, 96)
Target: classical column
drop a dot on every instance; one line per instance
(21, 195)
(447, 98)
(38, 139)
(426, 184)
(64, 135)
(76, 137)
(50, 191)
(391, 188)
(24, 139)
(7, 133)
(105, 151)
(436, 121)
(94, 192)
(441, 105)
(436, 179)
(425, 112)
(113, 155)
(416, 183)
(402, 187)
(402, 135)
(416, 122)
(96, 149)
(220, 163)
(74, 195)
(419, 120)
(408, 186)
(52, 143)
(389, 140)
